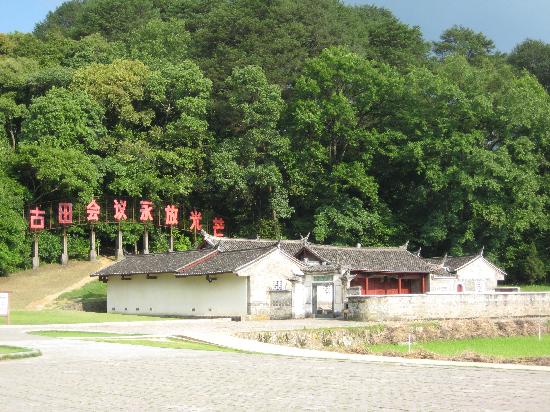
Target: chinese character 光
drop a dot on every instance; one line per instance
(93, 211)
(120, 209)
(146, 209)
(218, 225)
(37, 219)
(195, 218)
(171, 215)
(65, 213)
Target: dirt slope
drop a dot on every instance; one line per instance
(34, 289)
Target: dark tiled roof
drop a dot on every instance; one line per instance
(377, 259)
(153, 263)
(388, 259)
(225, 262)
(292, 247)
(452, 262)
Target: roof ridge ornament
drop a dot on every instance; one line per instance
(405, 245)
(418, 251)
(444, 260)
(481, 251)
(305, 239)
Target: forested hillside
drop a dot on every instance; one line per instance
(285, 117)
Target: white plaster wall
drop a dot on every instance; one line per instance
(479, 276)
(167, 295)
(449, 306)
(263, 274)
(441, 285)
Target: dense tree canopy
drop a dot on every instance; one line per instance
(285, 117)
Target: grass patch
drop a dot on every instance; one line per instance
(90, 291)
(171, 343)
(535, 288)
(12, 349)
(504, 347)
(75, 334)
(45, 317)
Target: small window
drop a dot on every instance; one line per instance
(278, 285)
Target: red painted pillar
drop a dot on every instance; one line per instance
(366, 285)
(398, 284)
(423, 283)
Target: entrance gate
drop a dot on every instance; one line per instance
(323, 300)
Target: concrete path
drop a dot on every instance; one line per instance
(87, 375)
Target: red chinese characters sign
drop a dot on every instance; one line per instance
(143, 211)
(37, 219)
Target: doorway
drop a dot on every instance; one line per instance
(323, 300)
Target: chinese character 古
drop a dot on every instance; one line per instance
(120, 209)
(171, 215)
(218, 225)
(146, 209)
(65, 213)
(37, 219)
(93, 211)
(195, 218)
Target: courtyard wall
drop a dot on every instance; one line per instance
(449, 306)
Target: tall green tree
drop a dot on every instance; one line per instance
(462, 41)
(248, 168)
(534, 56)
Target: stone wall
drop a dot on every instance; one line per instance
(449, 306)
(281, 304)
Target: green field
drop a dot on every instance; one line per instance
(45, 317)
(504, 347)
(171, 343)
(75, 334)
(92, 290)
(533, 288)
(12, 349)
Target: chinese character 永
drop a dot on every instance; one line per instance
(146, 209)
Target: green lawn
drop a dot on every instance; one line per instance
(12, 349)
(505, 347)
(92, 290)
(45, 317)
(535, 288)
(75, 334)
(171, 343)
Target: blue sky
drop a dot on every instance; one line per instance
(507, 22)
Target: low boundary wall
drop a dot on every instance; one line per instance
(449, 306)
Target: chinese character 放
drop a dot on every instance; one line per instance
(93, 211)
(218, 225)
(146, 209)
(37, 219)
(120, 209)
(65, 213)
(171, 215)
(195, 218)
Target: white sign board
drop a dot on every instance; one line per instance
(4, 303)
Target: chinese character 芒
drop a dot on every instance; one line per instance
(37, 219)
(65, 213)
(93, 211)
(218, 225)
(120, 209)
(171, 215)
(195, 218)
(146, 209)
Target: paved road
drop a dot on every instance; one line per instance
(91, 376)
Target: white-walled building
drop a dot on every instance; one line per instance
(466, 274)
(259, 278)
